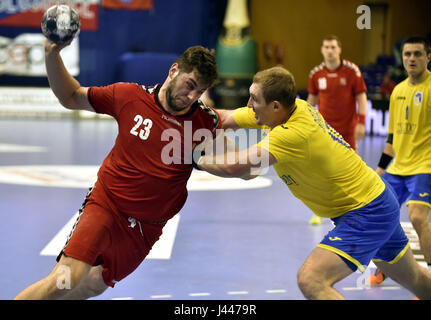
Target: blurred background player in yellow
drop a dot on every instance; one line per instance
(324, 172)
(336, 85)
(409, 143)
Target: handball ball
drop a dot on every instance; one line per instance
(60, 24)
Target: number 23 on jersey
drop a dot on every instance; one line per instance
(142, 127)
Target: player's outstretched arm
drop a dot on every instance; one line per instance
(65, 87)
(244, 164)
(227, 119)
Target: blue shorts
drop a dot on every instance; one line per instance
(415, 188)
(369, 233)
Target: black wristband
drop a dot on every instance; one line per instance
(385, 159)
(390, 138)
(195, 163)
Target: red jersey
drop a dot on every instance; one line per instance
(146, 172)
(337, 92)
(386, 89)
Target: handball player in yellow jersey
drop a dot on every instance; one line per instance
(323, 171)
(409, 143)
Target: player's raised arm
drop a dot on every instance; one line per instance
(60, 25)
(65, 87)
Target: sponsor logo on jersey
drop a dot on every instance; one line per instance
(288, 180)
(171, 120)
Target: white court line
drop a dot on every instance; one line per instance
(380, 287)
(237, 292)
(276, 291)
(161, 296)
(205, 294)
(20, 148)
(352, 288)
(199, 294)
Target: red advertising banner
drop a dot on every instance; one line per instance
(128, 4)
(17, 16)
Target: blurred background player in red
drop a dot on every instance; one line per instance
(338, 88)
(387, 87)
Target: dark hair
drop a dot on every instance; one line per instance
(331, 37)
(277, 84)
(418, 39)
(202, 60)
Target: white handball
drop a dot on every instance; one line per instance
(60, 23)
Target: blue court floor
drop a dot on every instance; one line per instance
(233, 240)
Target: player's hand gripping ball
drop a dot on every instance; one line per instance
(60, 24)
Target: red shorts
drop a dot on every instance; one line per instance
(103, 236)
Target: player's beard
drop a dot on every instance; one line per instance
(170, 98)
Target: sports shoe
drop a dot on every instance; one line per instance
(376, 278)
(315, 220)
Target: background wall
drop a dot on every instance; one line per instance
(295, 26)
(171, 26)
(299, 26)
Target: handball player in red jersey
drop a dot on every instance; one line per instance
(142, 182)
(337, 86)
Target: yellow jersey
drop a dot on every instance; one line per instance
(410, 124)
(314, 161)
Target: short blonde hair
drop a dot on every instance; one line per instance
(277, 84)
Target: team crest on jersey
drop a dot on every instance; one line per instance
(417, 99)
(322, 83)
(343, 81)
